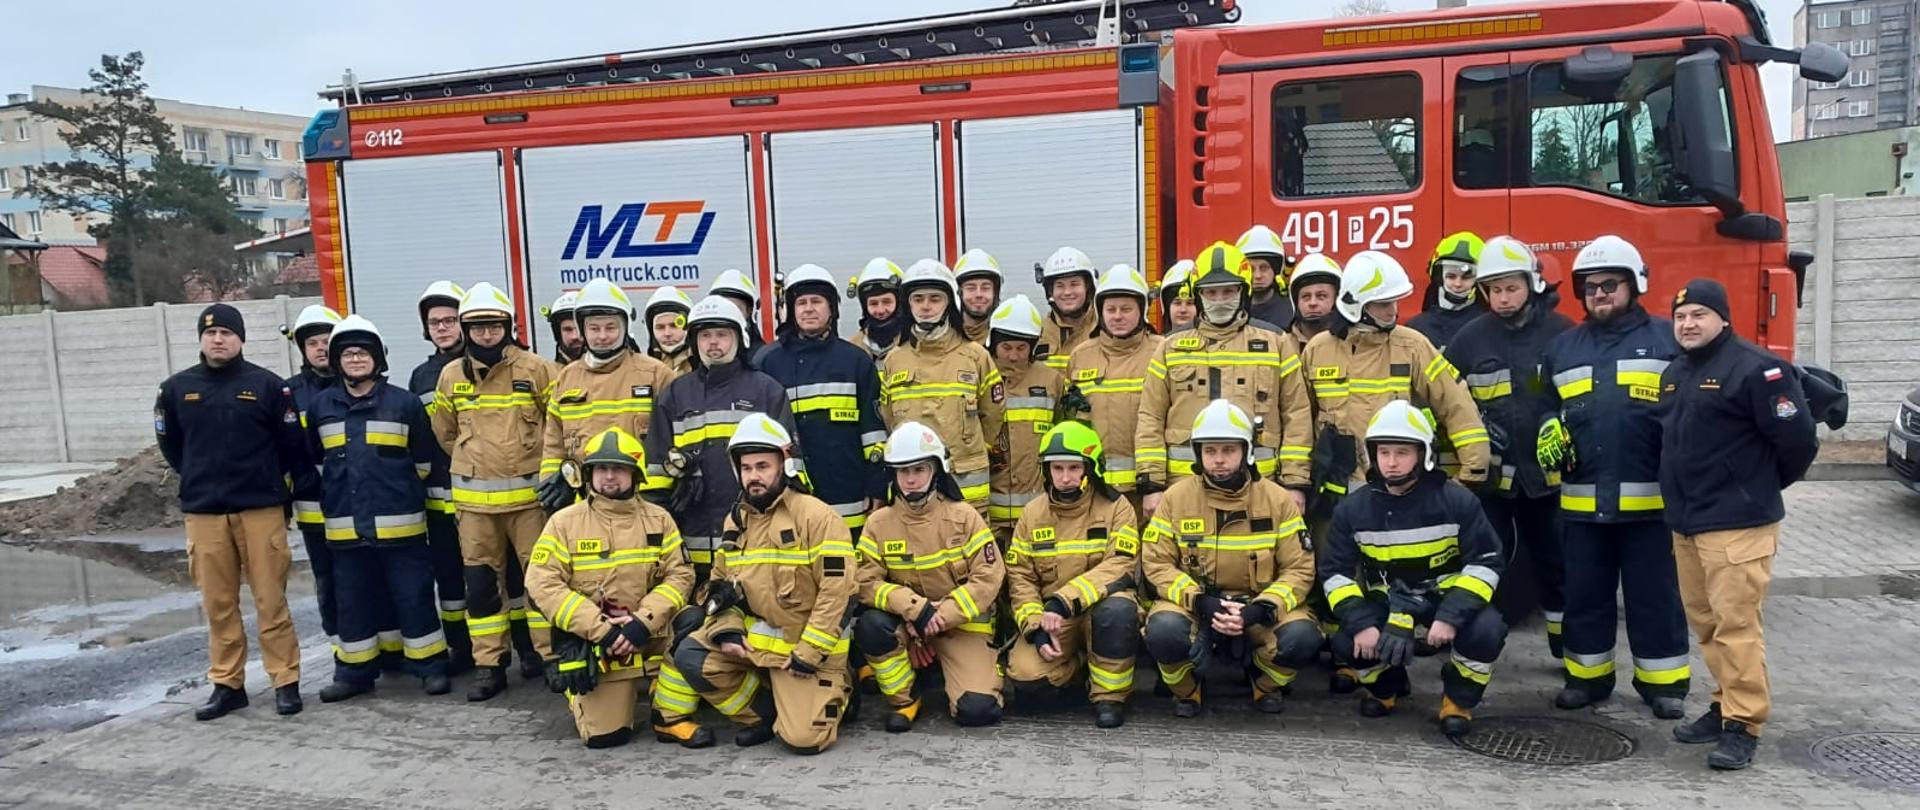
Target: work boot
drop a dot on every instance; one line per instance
(342, 690)
(224, 699)
(1268, 702)
(850, 711)
(1454, 720)
(487, 682)
(436, 684)
(1344, 681)
(532, 667)
(1704, 730)
(1735, 750)
(286, 700)
(864, 677)
(901, 719)
(754, 735)
(1109, 714)
(685, 732)
(1187, 707)
(1371, 706)
(1574, 697)
(1667, 707)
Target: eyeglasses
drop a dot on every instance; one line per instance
(437, 323)
(355, 353)
(1608, 287)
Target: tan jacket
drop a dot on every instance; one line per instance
(1110, 373)
(1079, 553)
(603, 553)
(940, 552)
(492, 427)
(678, 361)
(977, 332)
(795, 567)
(1246, 365)
(1352, 379)
(587, 400)
(1260, 551)
(1058, 339)
(1032, 391)
(951, 385)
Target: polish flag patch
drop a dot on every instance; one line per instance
(1773, 374)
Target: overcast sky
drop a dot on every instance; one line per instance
(275, 56)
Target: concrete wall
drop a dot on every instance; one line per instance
(1858, 165)
(79, 386)
(1861, 316)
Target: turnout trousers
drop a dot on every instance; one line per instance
(1277, 653)
(1464, 679)
(1104, 639)
(374, 583)
(1530, 528)
(966, 655)
(493, 552)
(805, 709)
(1637, 559)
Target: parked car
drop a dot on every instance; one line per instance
(1903, 442)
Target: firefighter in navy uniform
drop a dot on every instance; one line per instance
(439, 307)
(1267, 260)
(1229, 556)
(232, 432)
(665, 318)
(1032, 391)
(376, 450)
(1067, 278)
(1735, 431)
(1603, 429)
(772, 655)
(568, 343)
(610, 572)
(1411, 548)
(612, 384)
(978, 275)
(1070, 579)
(696, 415)
(834, 391)
(738, 288)
(310, 332)
(1500, 355)
(1450, 301)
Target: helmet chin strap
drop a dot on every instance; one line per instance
(1452, 301)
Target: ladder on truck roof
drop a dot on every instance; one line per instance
(1027, 25)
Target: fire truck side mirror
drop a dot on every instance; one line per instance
(1822, 62)
(1703, 149)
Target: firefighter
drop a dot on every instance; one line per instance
(1312, 286)
(1070, 572)
(488, 412)
(978, 275)
(883, 316)
(611, 573)
(568, 343)
(1450, 300)
(230, 429)
(1364, 361)
(1601, 425)
(692, 420)
(834, 391)
(931, 571)
(375, 449)
(310, 332)
(439, 307)
(612, 384)
(772, 656)
(1228, 555)
(1500, 354)
(942, 380)
(1067, 279)
(666, 321)
(1270, 303)
(737, 287)
(1033, 389)
(1177, 308)
(1406, 549)
(1735, 431)
(1106, 373)
(1226, 357)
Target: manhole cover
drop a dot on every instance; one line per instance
(1546, 741)
(1884, 756)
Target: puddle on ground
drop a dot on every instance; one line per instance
(61, 598)
(1899, 585)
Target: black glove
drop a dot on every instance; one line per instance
(1058, 607)
(575, 667)
(1258, 613)
(1396, 645)
(721, 595)
(927, 612)
(1204, 607)
(555, 493)
(794, 663)
(686, 494)
(1072, 403)
(634, 632)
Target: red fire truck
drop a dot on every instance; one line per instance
(1136, 131)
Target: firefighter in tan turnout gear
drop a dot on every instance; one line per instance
(1222, 357)
(610, 573)
(1228, 554)
(611, 385)
(942, 380)
(931, 571)
(1067, 278)
(1070, 573)
(773, 654)
(1032, 390)
(665, 318)
(488, 412)
(1106, 373)
(980, 280)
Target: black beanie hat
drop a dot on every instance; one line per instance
(1705, 292)
(223, 315)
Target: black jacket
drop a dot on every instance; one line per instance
(834, 392)
(306, 387)
(1433, 543)
(696, 415)
(423, 383)
(1276, 310)
(1736, 431)
(233, 434)
(1440, 325)
(375, 452)
(1604, 381)
(1503, 370)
